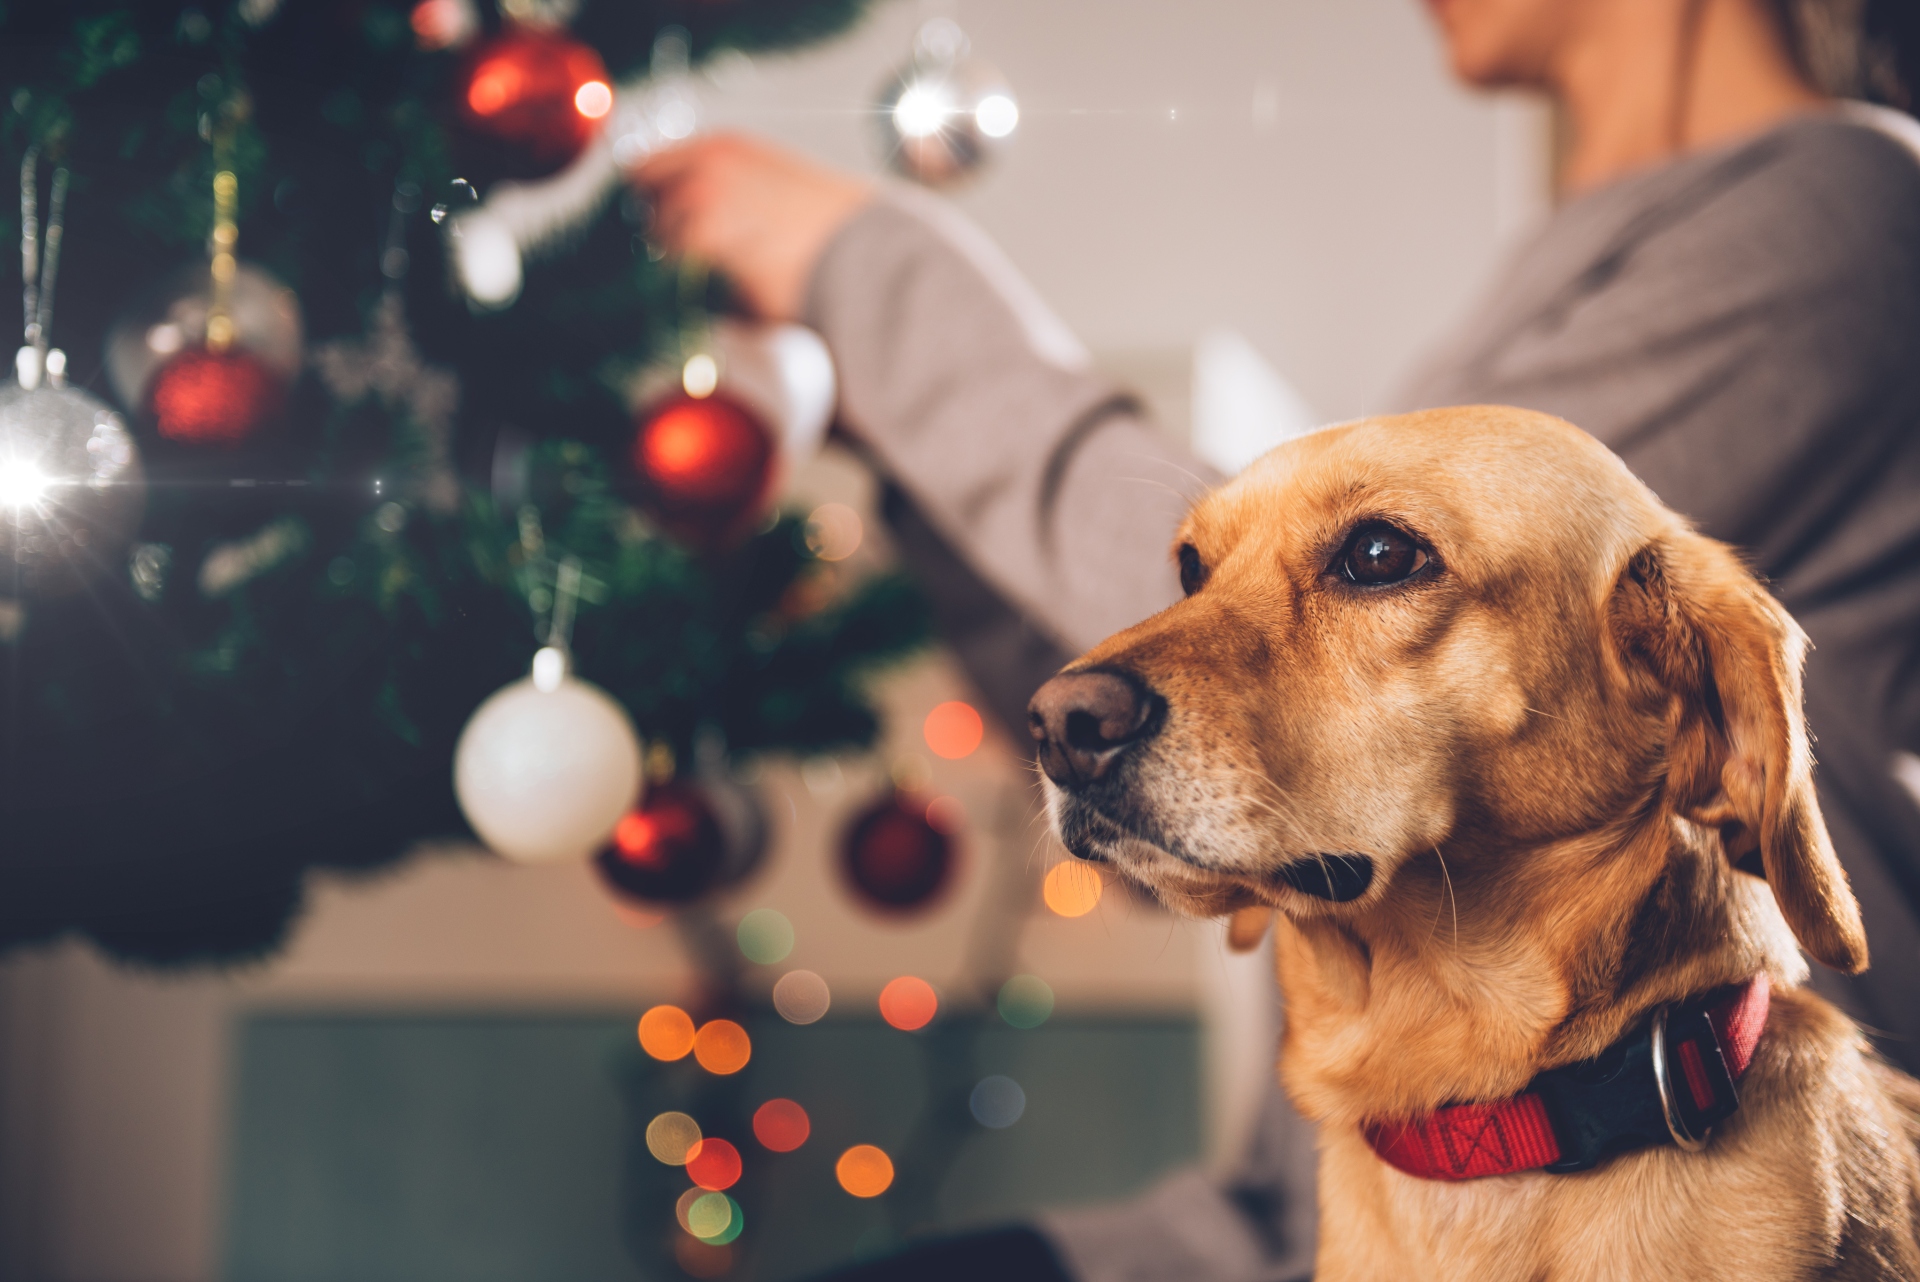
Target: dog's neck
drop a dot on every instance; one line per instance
(1477, 971)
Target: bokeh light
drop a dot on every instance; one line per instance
(714, 1164)
(997, 115)
(953, 730)
(997, 1102)
(700, 375)
(946, 815)
(765, 936)
(666, 1032)
(595, 99)
(864, 1171)
(722, 1046)
(833, 531)
(735, 1222)
(1072, 889)
(801, 997)
(781, 1125)
(908, 1003)
(699, 1260)
(684, 1206)
(1026, 1001)
(671, 1137)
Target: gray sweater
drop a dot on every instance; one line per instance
(1742, 326)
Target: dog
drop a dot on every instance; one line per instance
(1517, 760)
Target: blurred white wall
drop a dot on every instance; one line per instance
(1299, 171)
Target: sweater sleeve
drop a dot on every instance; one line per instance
(978, 405)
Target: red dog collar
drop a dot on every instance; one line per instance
(1668, 1083)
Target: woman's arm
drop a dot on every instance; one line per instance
(964, 390)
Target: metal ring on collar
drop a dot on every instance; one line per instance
(1663, 1082)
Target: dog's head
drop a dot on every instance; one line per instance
(1471, 630)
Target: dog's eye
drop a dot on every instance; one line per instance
(1379, 554)
(1193, 574)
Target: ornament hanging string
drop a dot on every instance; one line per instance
(39, 265)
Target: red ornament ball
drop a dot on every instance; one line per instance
(670, 850)
(898, 857)
(204, 397)
(705, 466)
(540, 91)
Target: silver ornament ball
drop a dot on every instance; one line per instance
(945, 113)
(71, 488)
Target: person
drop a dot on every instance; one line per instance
(1729, 297)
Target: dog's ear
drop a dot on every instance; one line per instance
(1690, 616)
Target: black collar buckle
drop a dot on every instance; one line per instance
(1646, 1089)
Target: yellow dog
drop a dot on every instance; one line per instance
(1519, 759)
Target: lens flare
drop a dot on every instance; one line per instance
(922, 110)
(22, 483)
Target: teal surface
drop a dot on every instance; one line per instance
(473, 1148)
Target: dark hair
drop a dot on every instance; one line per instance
(1856, 48)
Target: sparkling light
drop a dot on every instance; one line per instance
(595, 99)
(908, 1003)
(1072, 889)
(765, 936)
(801, 997)
(672, 1138)
(996, 115)
(700, 376)
(22, 483)
(666, 1032)
(1025, 1001)
(922, 110)
(781, 1125)
(714, 1164)
(864, 1171)
(953, 730)
(997, 1102)
(722, 1047)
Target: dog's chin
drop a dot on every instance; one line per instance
(1188, 886)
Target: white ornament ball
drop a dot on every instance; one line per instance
(546, 767)
(71, 487)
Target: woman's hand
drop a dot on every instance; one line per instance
(760, 215)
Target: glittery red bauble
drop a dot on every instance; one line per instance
(705, 466)
(895, 858)
(203, 397)
(670, 850)
(540, 91)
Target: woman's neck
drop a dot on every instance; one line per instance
(1649, 80)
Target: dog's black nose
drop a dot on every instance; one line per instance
(1084, 721)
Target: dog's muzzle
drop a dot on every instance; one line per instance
(1084, 723)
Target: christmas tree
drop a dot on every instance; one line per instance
(337, 559)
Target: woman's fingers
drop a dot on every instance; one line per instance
(755, 212)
